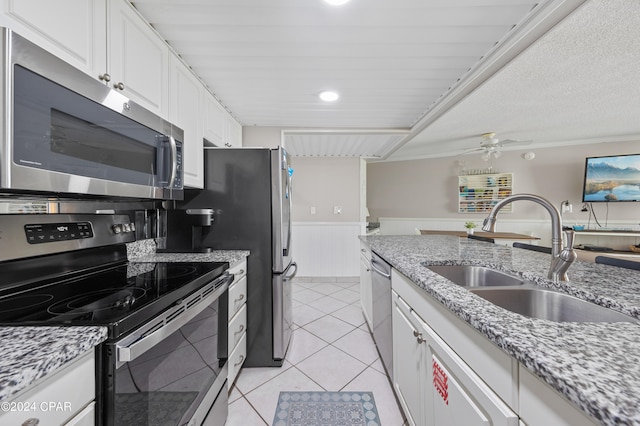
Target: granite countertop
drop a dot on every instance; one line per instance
(231, 256)
(596, 366)
(30, 353)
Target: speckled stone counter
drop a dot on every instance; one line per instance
(145, 251)
(30, 353)
(231, 256)
(596, 366)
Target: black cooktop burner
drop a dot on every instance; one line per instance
(21, 302)
(98, 303)
(120, 297)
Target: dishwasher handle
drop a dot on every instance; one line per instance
(378, 270)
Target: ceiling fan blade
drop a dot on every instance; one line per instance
(470, 151)
(514, 142)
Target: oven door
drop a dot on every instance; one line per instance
(173, 370)
(72, 134)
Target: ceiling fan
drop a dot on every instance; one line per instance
(490, 146)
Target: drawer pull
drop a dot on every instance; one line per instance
(240, 330)
(240, 361)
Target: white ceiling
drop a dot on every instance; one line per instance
(417, 78)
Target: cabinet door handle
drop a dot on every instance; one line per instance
(239, 361)
(105, 77)
(119, 86)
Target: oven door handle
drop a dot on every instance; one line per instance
(134, 345)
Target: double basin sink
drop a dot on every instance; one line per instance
(525, 297)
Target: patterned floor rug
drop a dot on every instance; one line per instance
(326, 409)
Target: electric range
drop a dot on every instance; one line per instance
(166, 321)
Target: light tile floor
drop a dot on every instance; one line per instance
(331, 350)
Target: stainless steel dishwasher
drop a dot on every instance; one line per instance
(381, 314)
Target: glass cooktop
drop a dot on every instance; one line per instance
(121, 297)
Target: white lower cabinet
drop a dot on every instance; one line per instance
(237, 339)
(460, 397)
(410, 365)
(541, 405)
(434, 385)
(65, 397)
(366, 296)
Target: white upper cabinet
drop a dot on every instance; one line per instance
(105, 39)
(220, 128)
(213, 125)
(74, 30)
(110, 41)
(137, 58)
(186, 112)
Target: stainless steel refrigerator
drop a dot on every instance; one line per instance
(249, 191)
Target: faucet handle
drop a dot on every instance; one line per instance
(569, 237)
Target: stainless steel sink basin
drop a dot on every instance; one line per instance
(476, 276)
(550, 305)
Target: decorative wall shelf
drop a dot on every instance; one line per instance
(479, 193)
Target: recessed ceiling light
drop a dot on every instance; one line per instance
(336, 2)
(329, 96)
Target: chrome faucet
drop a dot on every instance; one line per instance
(561, 258)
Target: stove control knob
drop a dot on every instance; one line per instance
(117, 228)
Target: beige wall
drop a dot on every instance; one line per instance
(428, 188)
(317, 182)
(268, 137)
(324, 183)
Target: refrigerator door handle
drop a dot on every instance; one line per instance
(295, 271)
(288, 191)
(282, 311)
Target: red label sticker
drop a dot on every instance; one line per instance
(440, 381)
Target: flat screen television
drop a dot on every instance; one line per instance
(612, 178)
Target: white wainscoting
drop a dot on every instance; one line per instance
(327, 249)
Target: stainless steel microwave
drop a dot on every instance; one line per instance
(66, 133)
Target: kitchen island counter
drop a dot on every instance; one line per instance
(595, 366)
(31, 353)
